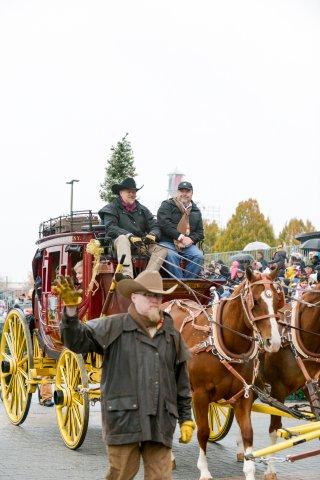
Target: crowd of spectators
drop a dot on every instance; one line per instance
(297, 273)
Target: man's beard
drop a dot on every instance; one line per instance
(154, 315)
(185, 202)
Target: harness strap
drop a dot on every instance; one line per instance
(303, 368)
(246, 388)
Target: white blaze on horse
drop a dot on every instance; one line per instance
(224, 340)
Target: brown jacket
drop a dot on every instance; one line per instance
(145, 385)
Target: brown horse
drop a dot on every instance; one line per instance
(282, 371)
(248, 316)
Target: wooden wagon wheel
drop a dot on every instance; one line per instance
(16, 360)
(72, 399)
(220, 420)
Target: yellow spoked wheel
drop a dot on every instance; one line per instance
(15, 363)
(37, 351)
(220, 420)
(71, 399)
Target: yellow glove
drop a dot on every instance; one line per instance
(136, 241)
(186, 431)
(63, 287)
(150, 238)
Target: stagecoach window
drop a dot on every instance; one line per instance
(53, 268)
(74, 248)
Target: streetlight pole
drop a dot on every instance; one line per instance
(71, 200)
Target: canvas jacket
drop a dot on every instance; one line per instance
(118, 221)
(169, 216)
(144, 385)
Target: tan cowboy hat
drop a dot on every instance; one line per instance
(148, 281)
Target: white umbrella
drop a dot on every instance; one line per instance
(256, 246)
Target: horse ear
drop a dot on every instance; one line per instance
(249, 273)
(274, 273)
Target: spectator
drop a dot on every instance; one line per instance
(315, 261)
(233, 269)
(240, 276)
(138, 415)
(131, 224)
(222, 269)
(78, 268)
(262, 260)
(181, 227)
(310, 273)
(257, 266)
(302, 287)
(279, 260)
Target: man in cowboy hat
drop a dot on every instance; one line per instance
(181, 226)
(131, 224)
(145, 385)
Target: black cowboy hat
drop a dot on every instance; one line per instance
(128, 183)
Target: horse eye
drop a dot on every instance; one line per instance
(255, 302)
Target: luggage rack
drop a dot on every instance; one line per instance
(81, 220)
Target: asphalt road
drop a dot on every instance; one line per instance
(34, 451)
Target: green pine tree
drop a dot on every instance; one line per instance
(119, 166)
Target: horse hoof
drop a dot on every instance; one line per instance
(270, 476)
(173, 465)
(240, 457)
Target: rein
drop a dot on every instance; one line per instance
(308, 304)
(287, 325)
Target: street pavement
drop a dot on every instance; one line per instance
(35, 451)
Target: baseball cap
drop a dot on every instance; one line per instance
(186, 185)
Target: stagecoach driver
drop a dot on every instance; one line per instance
(181, 226)
(144, 385)
(131, 224)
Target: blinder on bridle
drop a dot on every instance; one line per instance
(248, 299)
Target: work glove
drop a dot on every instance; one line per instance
(63, 287)
(136, 241)
(150, 238)
(186, 431)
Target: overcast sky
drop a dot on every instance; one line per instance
(225, 91)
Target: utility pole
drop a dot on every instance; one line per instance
(71, 200)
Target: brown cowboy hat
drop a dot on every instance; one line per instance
(148, 281)
(126, 184)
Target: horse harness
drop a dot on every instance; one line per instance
(214, 342)
(292, 337)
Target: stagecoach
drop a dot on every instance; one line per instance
(31, 352)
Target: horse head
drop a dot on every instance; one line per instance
(262, 298)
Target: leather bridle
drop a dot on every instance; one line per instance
(247, 301)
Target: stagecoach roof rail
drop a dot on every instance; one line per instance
(68, 223)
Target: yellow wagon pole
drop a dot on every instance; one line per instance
(298, 430)
(292, 442)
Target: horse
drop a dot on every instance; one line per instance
(286, 373)
(224, 347)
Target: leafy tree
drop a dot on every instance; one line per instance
(293, 228)
(119, 166)
(211, 231)
(246, 225)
